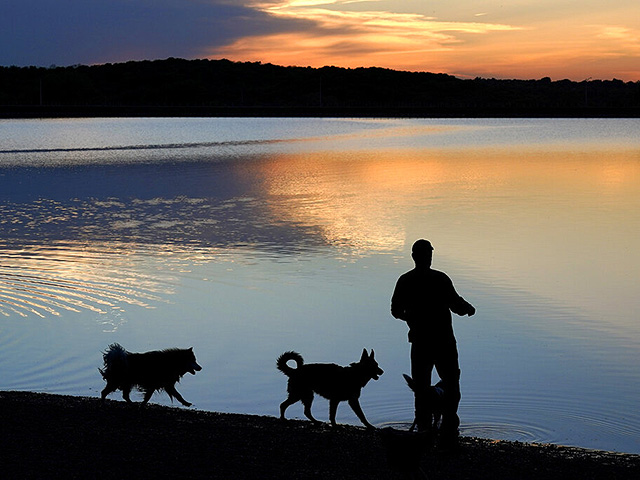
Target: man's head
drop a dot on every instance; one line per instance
(422, 253)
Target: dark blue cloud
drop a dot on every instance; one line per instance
(67, 32)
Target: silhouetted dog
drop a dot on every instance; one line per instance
(333, 382)
(433, 400)
(148, 372)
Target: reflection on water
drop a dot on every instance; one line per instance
(245, 238)
(41, 280)
(342, 200)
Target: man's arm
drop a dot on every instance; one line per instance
(459, 305)
(397, 301)
(462, 307)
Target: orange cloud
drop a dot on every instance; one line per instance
(353, 39)
(345, 33)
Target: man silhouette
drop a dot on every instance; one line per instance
(425, 298)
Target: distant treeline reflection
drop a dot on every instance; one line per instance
(225, 84)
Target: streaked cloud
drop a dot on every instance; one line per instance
(354, 38)
(627, 35)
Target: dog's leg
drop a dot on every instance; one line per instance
(147, 396)
(355, 406)
(437, 417)
(307, 401)
(171, 390)
(107, 390)
(126, 390)
(333, 409)
(286, 404)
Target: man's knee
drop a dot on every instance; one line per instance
(450, 379)
(451, 388)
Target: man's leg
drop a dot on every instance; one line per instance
(421, 368)
(448, 370)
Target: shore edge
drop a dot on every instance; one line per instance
(46, 435)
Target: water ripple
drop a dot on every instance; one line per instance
(43, 281)
(535, 418)
(524, 417)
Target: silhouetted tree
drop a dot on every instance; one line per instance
(222, 83)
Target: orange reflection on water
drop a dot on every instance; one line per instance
(364, 200)
(555, 223)
(337, 194)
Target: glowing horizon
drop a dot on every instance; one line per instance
(489, 38)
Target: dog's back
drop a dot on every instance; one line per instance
(157, 369)
(329, 380)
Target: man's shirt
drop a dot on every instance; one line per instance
(425, 298)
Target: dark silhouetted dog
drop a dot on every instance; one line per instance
(148, 372)
(333, 382)
(433, 400)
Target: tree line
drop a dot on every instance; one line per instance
(222, 83)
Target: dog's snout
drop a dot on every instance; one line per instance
(197, 367)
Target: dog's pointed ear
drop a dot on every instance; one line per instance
(372, 354)
(191, 349)
(364, 354)
(409, 380)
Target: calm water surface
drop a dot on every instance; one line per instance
(247, 237)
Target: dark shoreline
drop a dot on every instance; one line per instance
(97, 111)
(178, 87)
(50, 436)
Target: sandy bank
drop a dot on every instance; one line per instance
(50, 436)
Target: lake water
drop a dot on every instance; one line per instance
(247, 237)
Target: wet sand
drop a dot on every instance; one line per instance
(51, 436)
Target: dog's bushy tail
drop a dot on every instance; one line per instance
(284, 358)
(114, 357)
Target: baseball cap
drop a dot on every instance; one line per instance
(421, 245)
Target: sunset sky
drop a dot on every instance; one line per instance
(575, 39)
